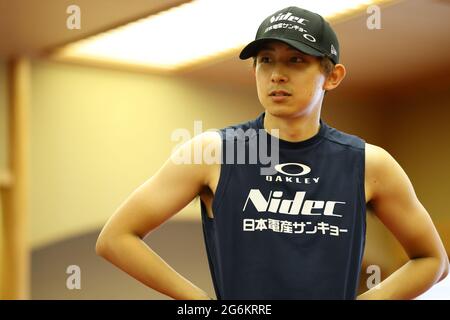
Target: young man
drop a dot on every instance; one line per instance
(298, 231)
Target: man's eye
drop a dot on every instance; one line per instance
(297, 59)
(264, 59)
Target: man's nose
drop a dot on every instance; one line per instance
(278, 75)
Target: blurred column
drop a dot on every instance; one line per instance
(14, 186)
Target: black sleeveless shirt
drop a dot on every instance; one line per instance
(297, 232)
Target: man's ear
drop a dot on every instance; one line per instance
(335, 77)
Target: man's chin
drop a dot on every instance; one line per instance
(281, 110)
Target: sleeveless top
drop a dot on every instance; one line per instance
(296, 232)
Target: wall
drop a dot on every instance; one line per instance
(415, 131)
(185, 252)
(410, 122)
(97, 134)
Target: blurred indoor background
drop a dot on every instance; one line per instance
(77, 137)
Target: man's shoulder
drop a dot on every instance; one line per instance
(378, 160)
(376, 163)
(376, 154)
(208, 140)
(343, 138)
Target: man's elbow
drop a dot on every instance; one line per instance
(102, 246)
(108, 243)
(441, 265)
(445, 267)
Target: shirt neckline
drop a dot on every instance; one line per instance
(291, 144)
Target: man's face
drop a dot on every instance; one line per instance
(281, 67)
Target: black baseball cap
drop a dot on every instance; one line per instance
(302, 29)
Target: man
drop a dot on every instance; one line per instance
(297, 231)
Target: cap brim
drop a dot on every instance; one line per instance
(253, 47)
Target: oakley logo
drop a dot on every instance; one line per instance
(303, 169)
(288, 16)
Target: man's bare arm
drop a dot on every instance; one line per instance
(155, 201)
(397, 206)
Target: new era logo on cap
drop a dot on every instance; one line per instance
(304, 30)
(333, 50)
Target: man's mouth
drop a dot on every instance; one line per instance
(276, 93)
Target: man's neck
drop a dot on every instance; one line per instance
(293, 129)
